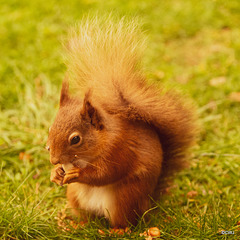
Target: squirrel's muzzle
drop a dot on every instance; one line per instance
(54, 160)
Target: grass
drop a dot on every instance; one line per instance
(194, 46)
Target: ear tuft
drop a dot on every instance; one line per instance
(91, 114)
(64, 97)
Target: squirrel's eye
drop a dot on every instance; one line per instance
(75, 140)
(48, 148)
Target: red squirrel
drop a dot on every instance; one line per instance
(118, 138)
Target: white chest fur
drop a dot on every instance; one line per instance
(99, 200)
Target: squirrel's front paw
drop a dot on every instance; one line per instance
(72, 175)
(57, 175)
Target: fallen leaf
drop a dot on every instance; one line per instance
(127, 230)
(35, 176)
(154, 232)
(118, 231)
(168, 219)
(24, 156)
(143, 234)
(210, 192)
(83, 223)
(62, 214)
(192, 194)
(219, 191)
(217, 81)
(235, 96)
(74, 224)
(204, 193)
(197, 223)
(101, 232)
(220, 231)
(61, 224)
(148, 238)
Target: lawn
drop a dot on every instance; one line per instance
(193, 47)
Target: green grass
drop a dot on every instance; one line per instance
(190, 44)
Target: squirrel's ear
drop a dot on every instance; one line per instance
(91, 114)
(64, 97)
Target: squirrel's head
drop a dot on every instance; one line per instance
(77, 132)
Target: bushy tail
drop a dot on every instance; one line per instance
(105, 56)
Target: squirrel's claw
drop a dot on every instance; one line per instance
(57, 175)
(72, 175)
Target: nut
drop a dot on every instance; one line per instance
(67, 166)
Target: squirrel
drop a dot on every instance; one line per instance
(118, 138)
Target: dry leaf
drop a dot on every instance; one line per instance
(148, 238)
(197, 223)
(143, 234)
(62, 214)
(235, 96)
(168, 219)
(35, 176)
(217, 81)
(118, 231)
(210, 192)
(154, 232)
(24, 156)
(220, 231)
(101, 232)
(61, 224)
(204, 193)
(64, 221)
(74, 224)
(192, 194)
(83, 223)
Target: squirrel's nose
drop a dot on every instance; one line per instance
(54, 160)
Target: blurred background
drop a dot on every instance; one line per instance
(193, 46)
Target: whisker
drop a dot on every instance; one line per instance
(105, 160)
(111, 162)
(87, 163)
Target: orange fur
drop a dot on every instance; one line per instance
(133, 135)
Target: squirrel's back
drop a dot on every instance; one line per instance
(105, 58)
